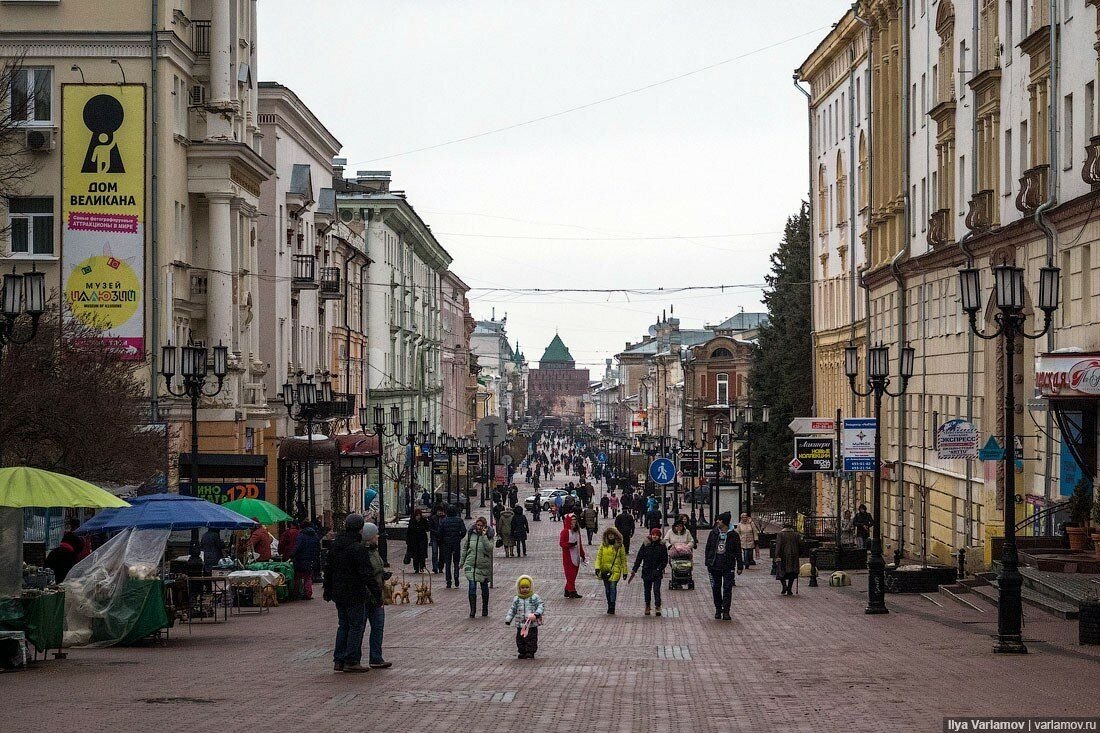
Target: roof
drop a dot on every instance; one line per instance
(743, 322)
(301, 183)
(556, 353)
(326, 203)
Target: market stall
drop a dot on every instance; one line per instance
(31, 603)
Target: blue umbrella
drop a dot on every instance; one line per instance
(166, 511)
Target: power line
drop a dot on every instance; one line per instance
(594, 103)
(625, 291)
(610, 239)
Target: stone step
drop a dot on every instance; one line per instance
(1031, 598)
(955, 592)
(1071, 588)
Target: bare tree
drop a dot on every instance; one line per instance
(70, 403)
(16, 165)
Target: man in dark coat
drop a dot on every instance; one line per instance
(306, 557)
(451, 531)
(625, 524)
(435, 538)
(787, 557)
(723, 555)
(351, 583)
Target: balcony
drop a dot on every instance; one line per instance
(331, 287)
(200, 38)
(304, 272)
(1034, 188)
(342, 407)
(939, 228)
(980, 215)
(1090, 172)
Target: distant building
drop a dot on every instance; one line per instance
(557, 387)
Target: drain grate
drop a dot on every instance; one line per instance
(671, 612)
(455, 696)
(679, 653)
(305, 654)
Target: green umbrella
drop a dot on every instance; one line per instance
(34, 487)
(262, 511)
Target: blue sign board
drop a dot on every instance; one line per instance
(858, 443)
(662, 471)
(602, 457)
(992, 451)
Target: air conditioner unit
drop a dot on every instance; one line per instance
(40, 140)
(198, 95)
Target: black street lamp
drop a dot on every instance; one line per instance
(22, 295)
(878, 382)
(382, 433)
(193, 368)
(744, 422)
(310, 403)
(1010, 293)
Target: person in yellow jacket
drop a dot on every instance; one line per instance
(611, 565)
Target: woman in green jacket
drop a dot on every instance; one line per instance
(611, 565)
(477, 559)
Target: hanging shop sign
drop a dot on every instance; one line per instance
(813, 454)
(712, 464)
(858, 447)
(1068, 375)
(103, 211)
(957, 439)
(689, 463)
(220, 492)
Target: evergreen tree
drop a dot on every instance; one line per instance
(782, 372)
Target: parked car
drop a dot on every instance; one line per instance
(545, 497)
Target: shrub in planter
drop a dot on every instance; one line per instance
(918, 578)
(1080, 507)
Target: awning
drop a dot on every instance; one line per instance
(226, 465)
(298, 448)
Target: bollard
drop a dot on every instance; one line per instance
(961, 570)
(813, 568)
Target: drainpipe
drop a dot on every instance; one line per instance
(898, 259)
(856, 276)
(1045, 225)
(810, 204)
(154, 218)
(968, 512)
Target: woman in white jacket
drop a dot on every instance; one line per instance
(679, 534)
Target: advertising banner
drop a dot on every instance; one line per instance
(813, 454)
(957, 439)
(220, 492)
(858, 446)
(103, 210)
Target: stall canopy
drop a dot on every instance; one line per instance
(263, 511)
(33, 487)
(166, 511)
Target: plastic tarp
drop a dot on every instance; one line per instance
(11, 552)
(101, 608)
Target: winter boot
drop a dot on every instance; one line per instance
(658, 610)
(485, 605)
(473, 606)
(647, 610)
(611, 608)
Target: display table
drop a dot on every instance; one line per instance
(284, 568)
(41, 616)
(248, 586)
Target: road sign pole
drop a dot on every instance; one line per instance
(876, 565)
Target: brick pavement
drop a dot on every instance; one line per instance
(812, 662)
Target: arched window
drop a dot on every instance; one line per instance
(841, 190)
(822, 201)
(863, 177)
(721, 353)
(722, 389)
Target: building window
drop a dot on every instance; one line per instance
(1067, 127)
(1008, 161)
(31, 221)
(31, 95)
(722, 390)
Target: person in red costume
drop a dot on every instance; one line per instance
(572, 555)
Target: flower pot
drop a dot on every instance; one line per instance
(1078, 538)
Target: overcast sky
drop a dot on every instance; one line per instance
(721, 152)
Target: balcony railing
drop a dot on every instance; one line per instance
(304, 272)
(1034, 188)
(939, 227)
(330, 283)
(1090, 172)
(200, 37)
(342, 406)
(980, 215)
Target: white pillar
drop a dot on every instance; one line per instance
(222, 73)
(219, 292)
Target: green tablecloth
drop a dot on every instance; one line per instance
(286, 569)
(42, 617)
(146, 599)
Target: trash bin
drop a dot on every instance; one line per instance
(1088, 623)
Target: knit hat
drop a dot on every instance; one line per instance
(725, 517)
(353, 522)
(370, 530)
(655, 532)
(525, 586)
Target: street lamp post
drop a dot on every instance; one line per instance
(193, 370)
(1009, 293)
(746, 421)
(413, 438)
(878, 382)
(307, 402)
(382, 433)
(22, 295)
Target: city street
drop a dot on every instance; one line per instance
(812, 662)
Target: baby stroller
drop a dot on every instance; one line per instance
(681, 561)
